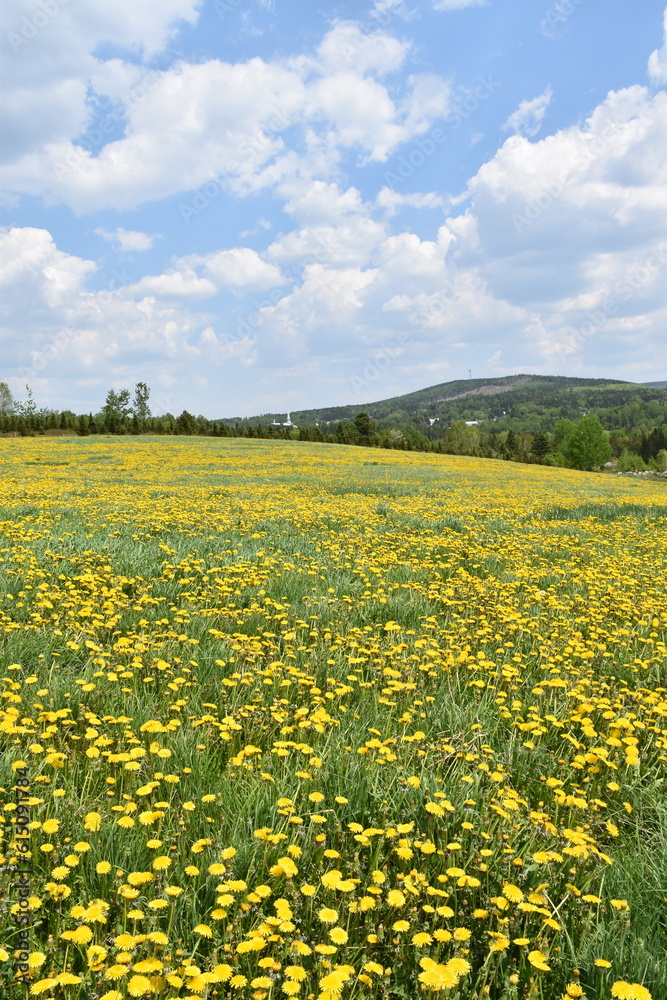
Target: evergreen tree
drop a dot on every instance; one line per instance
(540, 447)
(186, 423)
(365, 428)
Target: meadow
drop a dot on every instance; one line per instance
(294, 720)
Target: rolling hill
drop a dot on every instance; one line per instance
(516, 401)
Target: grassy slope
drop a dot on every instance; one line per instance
(318, 548)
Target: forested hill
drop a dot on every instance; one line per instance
(517, 402)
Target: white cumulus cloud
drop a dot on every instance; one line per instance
(528, 117)
(177, 134)
(128, 239)
(240, 269)
(48, 53)
(657, 63)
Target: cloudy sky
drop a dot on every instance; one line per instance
(264, 205)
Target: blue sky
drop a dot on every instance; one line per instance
(264, 205)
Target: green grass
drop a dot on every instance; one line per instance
(336, 581)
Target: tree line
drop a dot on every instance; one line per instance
(582, 444)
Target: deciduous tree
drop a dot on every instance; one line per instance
(588, 446)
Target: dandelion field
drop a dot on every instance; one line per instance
(309, 721)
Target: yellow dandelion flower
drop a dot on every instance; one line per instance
(42, 986)
(139, 985)
(538, 961)
(459, 965)
(395, 898)
(301, 948)
(148, 965)
(68, 979)
(338, 935)
(115, 971)
(223, 972)
(295, 972)
(439, 977)
(140, 878)
(629, 991)
(421, 939)
(157, 937)
(82, 935)
(92, 822)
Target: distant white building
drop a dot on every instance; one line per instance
(472, 423)
(288, 423)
